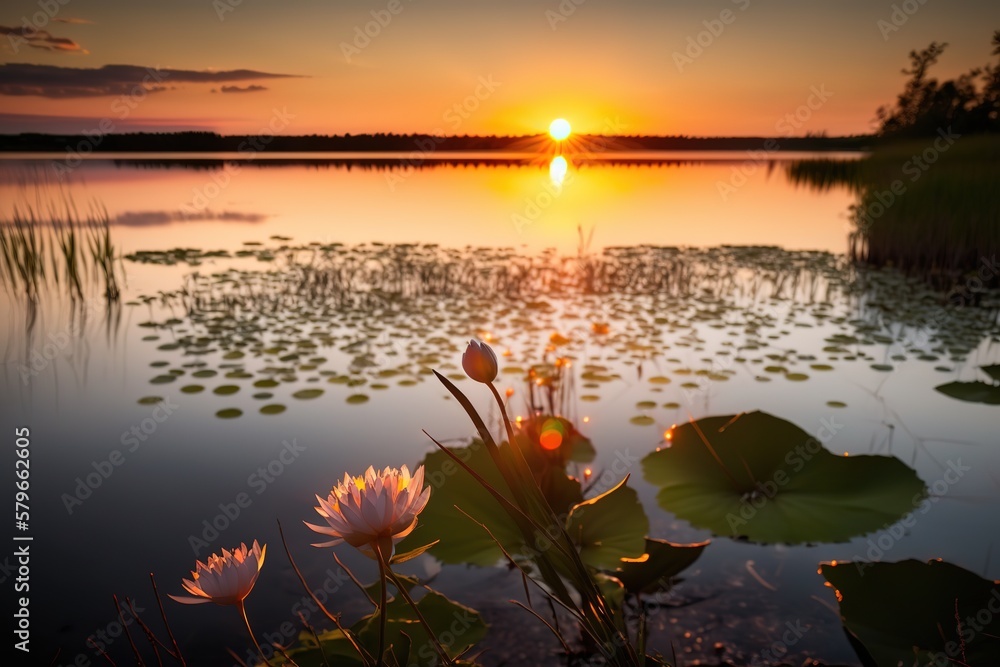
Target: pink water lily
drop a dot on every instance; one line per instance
(225, 579)
(373, 511)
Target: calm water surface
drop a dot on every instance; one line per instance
(77, 382)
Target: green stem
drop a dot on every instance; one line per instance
(382, 607)
(246, 621)
(420, 617)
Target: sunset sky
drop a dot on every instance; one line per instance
(471, 67)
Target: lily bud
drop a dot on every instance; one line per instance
(480, 362)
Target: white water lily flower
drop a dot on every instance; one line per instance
(374, 511)
(226, 579)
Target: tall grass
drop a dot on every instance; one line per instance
(54, 245)
(922, 207)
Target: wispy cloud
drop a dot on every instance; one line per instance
(69, 82)
(253, 88)
(39, 39)
(73, 20)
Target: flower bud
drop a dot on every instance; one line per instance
(480, 362)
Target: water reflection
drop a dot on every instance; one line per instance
(557, 170)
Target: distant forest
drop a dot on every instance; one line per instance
(198, 142)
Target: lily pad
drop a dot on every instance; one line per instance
(226, 389)
(609, 527)
(273, 409)
(355, 399)
(229, 413)
(306, 394)
(150, 400)
(972, 392)
(912, 613)
(655, 569)
(760, 477)
(642, 420)
(192, 389)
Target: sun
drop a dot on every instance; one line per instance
(560, 129)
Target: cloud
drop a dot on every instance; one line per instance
(253, 88)
(74, 21)
(70, 82)
(150, 218)
(39, 39)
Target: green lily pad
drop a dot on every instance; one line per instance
(972, 392)
(273, 409)
(150, 400)
(836, 404)
(609, 527)
(642, 420)
(355, 399)
(204, 373)
(765, 479)
(163, 379)
(266, 383)
(885, 368)
(226, 389)
(306, 394)
(461, 540)
(645, 405)
(192, 389)
(655, 569)
(229, 413)
(914, 613)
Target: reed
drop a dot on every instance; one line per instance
(55, 246)
(925, 206)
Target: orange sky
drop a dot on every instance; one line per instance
(477, 68)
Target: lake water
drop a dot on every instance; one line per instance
(103, 520)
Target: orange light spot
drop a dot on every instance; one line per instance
(550, 439)
(509, 392)
(518, 420)
(668, 434)
(586, 420)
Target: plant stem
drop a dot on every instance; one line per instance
(243, 613)
(420, 617)
(382, 607)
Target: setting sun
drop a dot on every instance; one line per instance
(559, 129)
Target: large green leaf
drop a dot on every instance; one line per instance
(456, 627)
(461, 540)
(971, 392)
(609, 527)
(759, 477)
(915, 614)
(655, 569)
